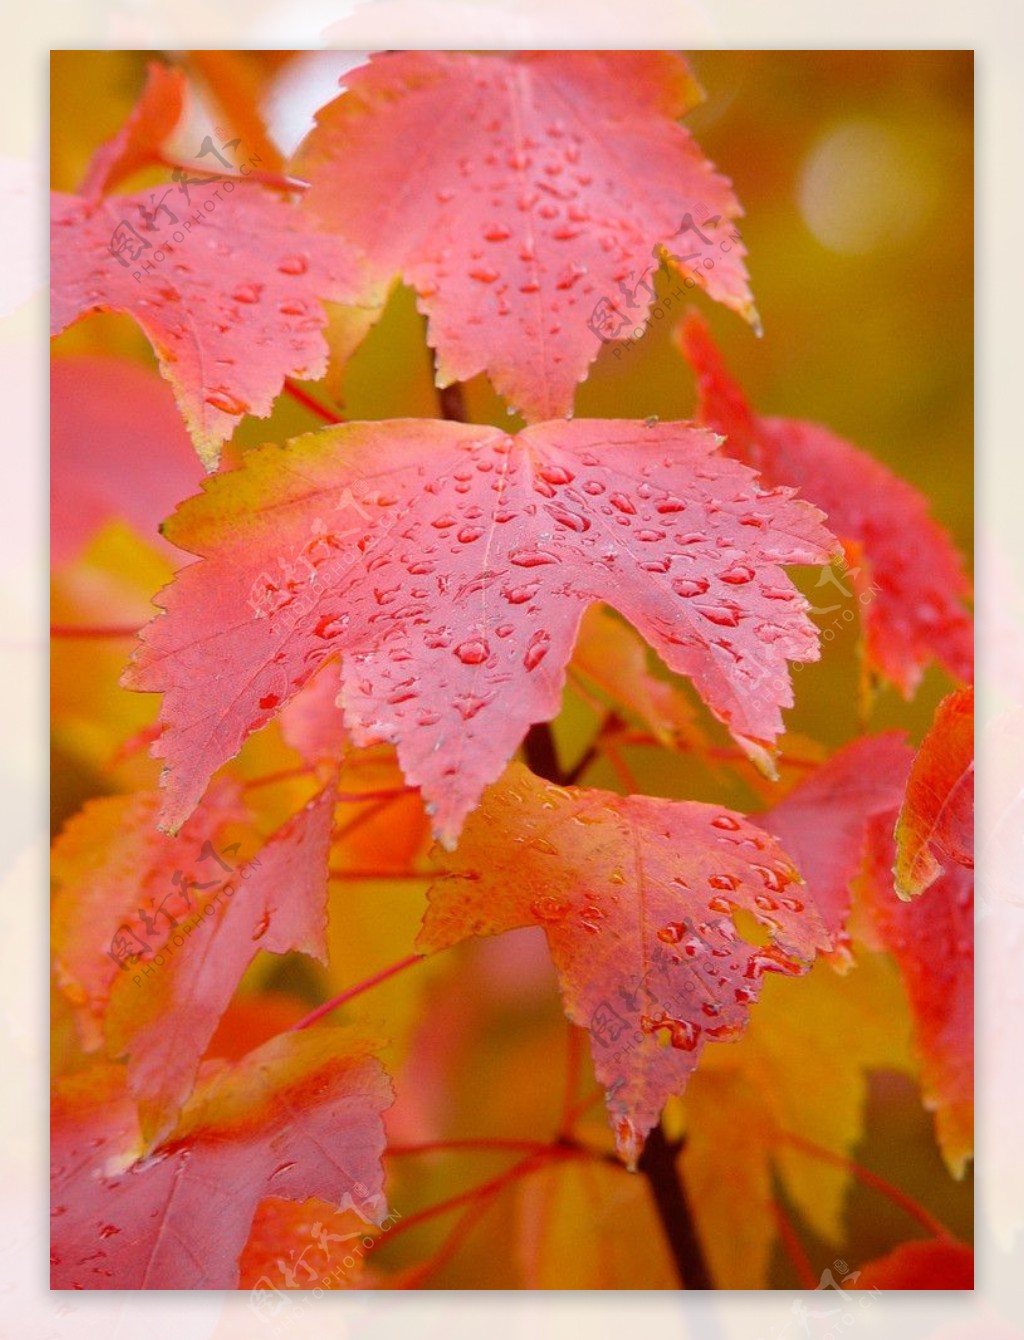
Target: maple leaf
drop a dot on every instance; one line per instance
(562, 1236)
(100, 410)
(292, 1246)
(228, 294)
(547, 188)
(137, 143)
(450, 564)
(931, 1264)
(932, 940)
(610, 657)
(636, 897)
(936, 823)
(108, 866)
(163, 1025)
(164, 1003)
(822, 823)
(298, 1117)
(311, 723)
(750, 1107)
(907, 574)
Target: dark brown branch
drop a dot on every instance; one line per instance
(541, 755)
(658, 1165)
(452, 402)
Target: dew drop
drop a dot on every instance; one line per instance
(531, 558)
(729, 882)
(771, 959)
(224, 400)
(293, 265)
(726, 822)
(549, 908)
(520, 595)
(555, 474)
(683, 1035)
(473, 652)
(725, 616)
(537, 649)
(690, 586)
(738, 574)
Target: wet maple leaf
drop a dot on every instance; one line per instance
(823, 822)
(562, 1236)
(307, 1246)
(610, 657)
(164, 1025)
(751, 1104)
(311, 723)
(908, 576)
(936, 823)
(229, 297)
(931, 1264)
(547, 187)
(637, 898)
(100, 410)
(299, 1117)
(450, 564)
(136, 144)
(109, 863)
(932, 940)
(161, 1008)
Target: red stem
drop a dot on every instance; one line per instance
(356, 990)
(100, 630)
(481, 1145)
(873, 1180)
(794, 1247)
(493, 1184)
(463, 1227)
(311, 403)
(277, 180)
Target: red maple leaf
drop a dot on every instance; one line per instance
(936, 823)
(226, 287)
(908, 576)
(546, 188)
(932, 940)
(637, 898)
(450, 564)
(262, 1126)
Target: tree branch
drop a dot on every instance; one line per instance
(658, 1165)
(658, 1161)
